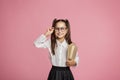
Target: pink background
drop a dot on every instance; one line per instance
(95, 26)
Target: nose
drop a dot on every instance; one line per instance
(59, 30)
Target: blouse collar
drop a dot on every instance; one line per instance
(64, 43)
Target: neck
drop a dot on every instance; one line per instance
(60, 39)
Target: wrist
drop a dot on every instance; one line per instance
(46, 34)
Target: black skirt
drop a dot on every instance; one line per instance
(60, 73)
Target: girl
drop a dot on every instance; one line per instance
(57, 46)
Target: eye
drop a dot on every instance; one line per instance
(57, 28)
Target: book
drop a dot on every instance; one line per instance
(71, 52)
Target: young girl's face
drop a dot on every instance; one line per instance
(60, 30)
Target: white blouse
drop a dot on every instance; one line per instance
(59, 59)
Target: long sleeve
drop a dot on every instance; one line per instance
(76, 60)
(42, 42)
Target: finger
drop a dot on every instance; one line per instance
(67, 64)
(52, 27)
(68, 60)
(48, 29)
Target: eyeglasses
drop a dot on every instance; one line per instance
(62, 29)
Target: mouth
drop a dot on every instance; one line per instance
(59, 34)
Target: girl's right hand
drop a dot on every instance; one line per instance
(49, 31)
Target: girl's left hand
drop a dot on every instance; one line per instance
(70, 62)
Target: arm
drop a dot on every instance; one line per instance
(74, 62)
(77, 59)
(41, 41)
